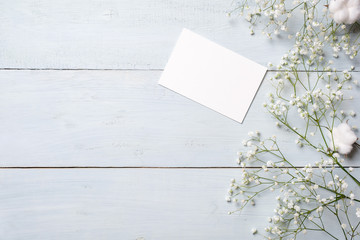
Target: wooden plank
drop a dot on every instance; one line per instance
(121, 204)
(125, 204)
(121, 118)
(116, 34)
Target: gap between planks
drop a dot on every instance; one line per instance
(130, 69)
(134, 167)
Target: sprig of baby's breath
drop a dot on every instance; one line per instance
(276, 14)
(307, 87)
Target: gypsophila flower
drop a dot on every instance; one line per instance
(320, 209)
(352, 196)
(308, 91)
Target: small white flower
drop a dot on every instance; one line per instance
(330, 183)
(352, 196)
(344, 138)
(269, 164)
(253, 230)
(343, 225)
(315, 107)
(358, 212)
(320, 209)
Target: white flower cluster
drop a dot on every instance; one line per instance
(316, 31)
(306, 85)
(301, 196)
(293, 204)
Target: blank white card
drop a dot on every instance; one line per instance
(212, 75)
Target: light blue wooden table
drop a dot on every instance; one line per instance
(92, 148)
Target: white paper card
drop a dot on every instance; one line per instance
(212, 75)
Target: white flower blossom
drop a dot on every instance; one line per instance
(269, 164)
(344, 185)
(352, 196)
(319, 209)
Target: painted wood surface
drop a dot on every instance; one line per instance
(123, 34)
(120, 204)
(137, 204)
(121, 118)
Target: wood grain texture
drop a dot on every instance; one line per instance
(123, 34)
(121, 204)
(126, 204)
(129, 204)
(121, 118)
